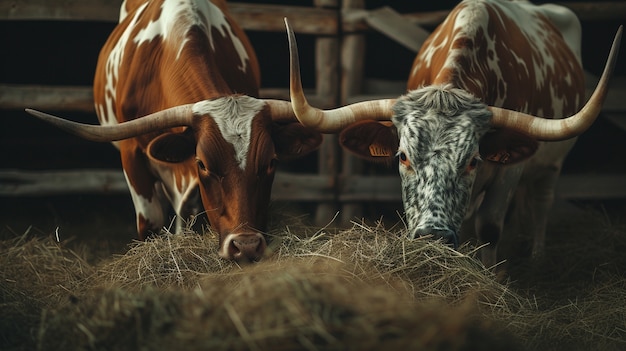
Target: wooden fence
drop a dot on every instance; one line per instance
(340, 28)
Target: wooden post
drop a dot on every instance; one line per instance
(327, 89)
(352, 68)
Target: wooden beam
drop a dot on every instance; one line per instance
(363, 188)
(591, 187)
(597, 10)
(46, 98)
(80, 98)
(359, 188)
(287, 186)
(354, 20)
(45, 183)
(397, 27)
(270, 18)
(307, 20)
(617, 119)
(85, 10)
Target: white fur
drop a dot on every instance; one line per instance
(233, 115)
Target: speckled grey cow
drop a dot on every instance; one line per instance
(464, 150)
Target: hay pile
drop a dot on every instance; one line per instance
(366, 288)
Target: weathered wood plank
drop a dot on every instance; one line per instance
(287, 186)
(65, 182)
(597, 10)
(354, 19)
(80, 98)
(82, 10)
(397, 27)
(47, 98)
(270, 18)
(260, 17)
(618, 119)
(267, 17)
(359, 188)
(592, 187)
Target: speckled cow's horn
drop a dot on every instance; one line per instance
(561, 129)
(329, 121)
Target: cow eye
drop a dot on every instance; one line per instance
(404, 160)
(473, 163)
(201, 165)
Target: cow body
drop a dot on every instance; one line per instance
(176, 89)
(159, 56)
(481, 130)
(509, 54)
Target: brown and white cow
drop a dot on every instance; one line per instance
(464, 151)
(175, 89)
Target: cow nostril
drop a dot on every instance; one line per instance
(233, 251)
(448, 236)
(246, 247)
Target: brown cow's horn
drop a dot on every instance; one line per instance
(281, 110)
(332, 120)
(561, 129)
(172, 117)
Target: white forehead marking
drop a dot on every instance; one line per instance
(178, 16)
(233, 115)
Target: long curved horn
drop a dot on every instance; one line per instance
(281, 110)
(172, 117)
(329, 121)
(561, 129)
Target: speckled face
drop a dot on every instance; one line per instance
(439, 129)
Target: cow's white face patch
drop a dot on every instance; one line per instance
(233, 115)
(177, 17)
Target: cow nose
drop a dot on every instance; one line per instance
(448, 236)
(244, 247)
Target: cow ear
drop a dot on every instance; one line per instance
(294, 140)
(371, 140)
(172, 147)
(507, 147)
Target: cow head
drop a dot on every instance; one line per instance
(440, 135)
(230, 146)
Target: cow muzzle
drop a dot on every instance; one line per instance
(448, 237)
(243, 247)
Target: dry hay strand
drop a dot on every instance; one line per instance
(595, 321)
(168, 260)
(363, 288)
(426, 267)
(37, 273)
(290, 304)
(30, 263)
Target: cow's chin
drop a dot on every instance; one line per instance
(243, 247)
